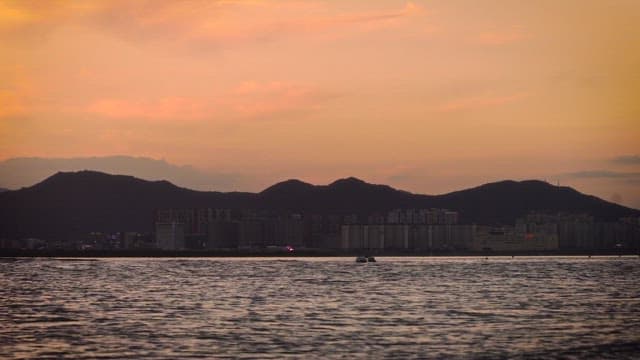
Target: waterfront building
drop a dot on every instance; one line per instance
(399, 230)
(251, 234)
(422, 216)
(360, 236)
(418, 237)
(514, 238)
(290, 230)
(170, 236)
(222, 235)
(396, 236)
(196, 220)
(129, 240)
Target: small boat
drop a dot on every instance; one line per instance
(364, 259)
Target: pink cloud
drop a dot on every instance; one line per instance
(257, 99)
(215, 22)
(500, 37)
(11, 104)
(17, 92)
(363, 20)
(477, 102)
(163, 109)
(265, 88)
(248, 100)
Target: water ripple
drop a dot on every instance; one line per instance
(523, 308)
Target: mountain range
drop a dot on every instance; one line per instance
(73, 203)
(26, 171)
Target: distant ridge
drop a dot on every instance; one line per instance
(343, 195)
(70, 203)
(288, 186)
(26, 171)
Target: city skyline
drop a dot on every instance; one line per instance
(98, 211)
(426, 96)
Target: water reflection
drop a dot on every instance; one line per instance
(320, 307)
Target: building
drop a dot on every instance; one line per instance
(422, 216)
(196, 220)
(514, 239)
(419, 237)
(365, 237)
(170, 236)
(223, 235)
(290, 230)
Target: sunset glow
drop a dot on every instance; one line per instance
(426, 96)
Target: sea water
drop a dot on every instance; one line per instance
(476, 307)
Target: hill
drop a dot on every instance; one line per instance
(502, 202)
(344, 195)
(67, 204)
(16, 173)
(74, 203)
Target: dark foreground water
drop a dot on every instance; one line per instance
(320, 308)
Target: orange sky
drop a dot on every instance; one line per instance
(427, 96)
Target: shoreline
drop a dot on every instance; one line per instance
(12, 253)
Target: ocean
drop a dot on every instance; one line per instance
(398, 307)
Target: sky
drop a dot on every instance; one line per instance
(426, 96)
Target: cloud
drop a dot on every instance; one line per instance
(162, 109)
(254, 99)
(366, 20)
(218, 23)
(25, 22)
(605, 182)
(603, 174)
(627, 160)
(247, 100)
(12, 104)
(230, 23)
(16, 92)
(476, 102)
(500, 37)
(12, 16)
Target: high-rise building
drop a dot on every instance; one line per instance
(222, 234)
(170, 236)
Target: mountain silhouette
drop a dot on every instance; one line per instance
(344, 195)
(20, 172)
(75, 203)
(505, 200)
